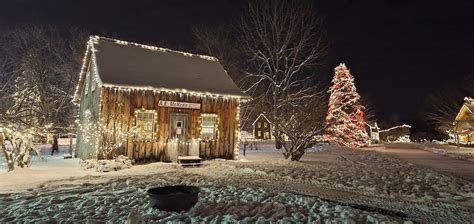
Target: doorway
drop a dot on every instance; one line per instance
(178, 126)
(179, 133)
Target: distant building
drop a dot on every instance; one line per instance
(464, 122)
(262, 127)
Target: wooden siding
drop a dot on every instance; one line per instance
(118, 107)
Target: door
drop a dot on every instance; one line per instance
(179, 131)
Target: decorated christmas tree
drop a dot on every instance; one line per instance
(345, 118)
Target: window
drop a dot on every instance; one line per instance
(265, 125)
(266, 135)
(259, 124)
(208, 126)
(145, 122)
(259, 134)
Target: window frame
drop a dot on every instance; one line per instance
(139, 133)
(204, 127)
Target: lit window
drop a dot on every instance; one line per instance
(259, 125)
(259, 134)
(208, 126)
(265, 124)
(145, 123)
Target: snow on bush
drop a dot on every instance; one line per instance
(121, 162)
(405, 138)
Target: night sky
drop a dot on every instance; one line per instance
(398, 51)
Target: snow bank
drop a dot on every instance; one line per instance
(463, 153)
(121, 162)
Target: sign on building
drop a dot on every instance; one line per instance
(175, 104)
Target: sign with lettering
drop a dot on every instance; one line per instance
(175, 104)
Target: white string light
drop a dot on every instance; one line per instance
(98, 128)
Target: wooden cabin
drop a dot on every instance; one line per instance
(262, 127)
(464, 122)
(154, 104)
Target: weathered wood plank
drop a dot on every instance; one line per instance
(121, 105)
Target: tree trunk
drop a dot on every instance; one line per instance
(278, 144)
(245, 147)
(457, 140)
(286, 155)
(296, 155)
(9, 159)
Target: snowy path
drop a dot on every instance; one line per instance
(460, 168)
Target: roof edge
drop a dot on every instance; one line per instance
(84, 68)
(185, 91)
(155, 48)
(261, 114)
(464, 105)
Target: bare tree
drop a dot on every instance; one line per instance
(441, 107)
(301, 129)
(280, 45)
(41, 64)
(283, 41)
(284, 44)
(370, 114)
(220, 42)
(442, 110)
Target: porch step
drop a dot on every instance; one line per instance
(189, 161)
(190, 164)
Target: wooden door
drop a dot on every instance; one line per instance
(179, 124)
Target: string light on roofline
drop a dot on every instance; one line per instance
(155, 48)
(184, 92)
(90, 50)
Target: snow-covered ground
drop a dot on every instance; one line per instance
(462, 152)
(465, 153)
(331, 184)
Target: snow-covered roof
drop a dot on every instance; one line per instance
(469, 105)
(131, 65)
(261, 115)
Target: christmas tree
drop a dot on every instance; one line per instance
(345, 119)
